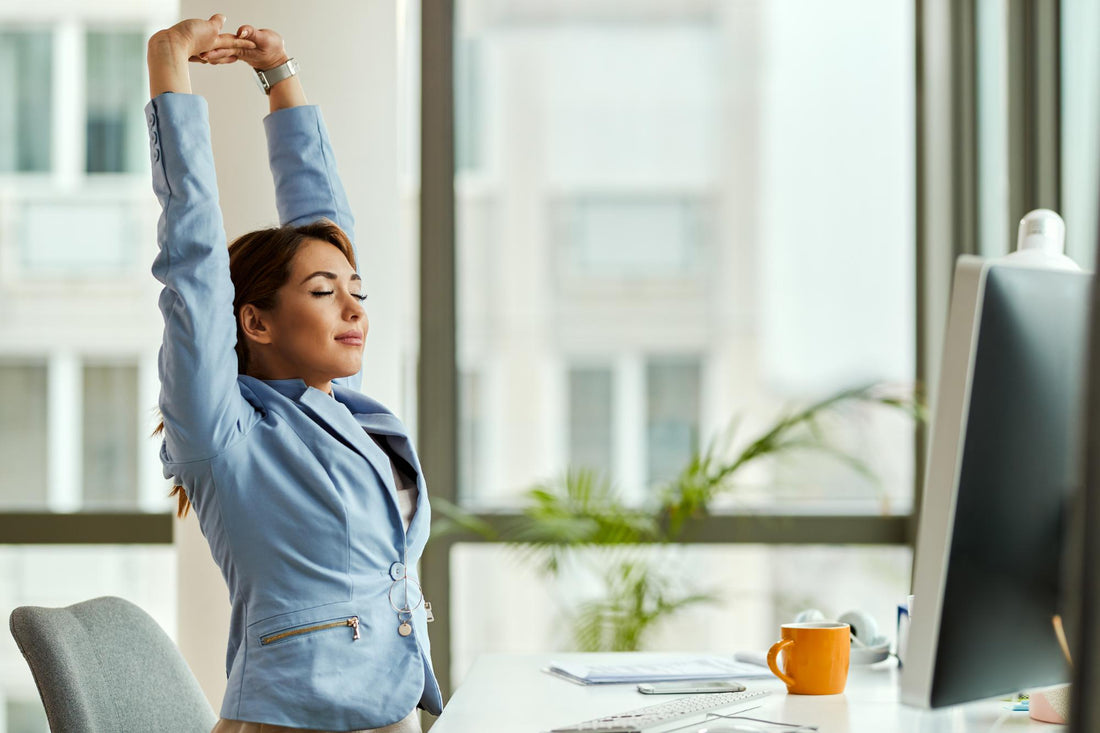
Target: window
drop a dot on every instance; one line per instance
(116, 94)
(61, 575)
(471, 440)
(759, 587)
(728, 180)
(110, 437)
(23, 435)
(590, 419)
(26, 716)
(26, 83)
(672, 417)
(630, 237)
(1080, 121)
(693, 208)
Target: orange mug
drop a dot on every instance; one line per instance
(815, 657)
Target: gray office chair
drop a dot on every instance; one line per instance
(105, 666)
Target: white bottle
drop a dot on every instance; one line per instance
(1041, 242)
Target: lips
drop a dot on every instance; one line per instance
(351, 338)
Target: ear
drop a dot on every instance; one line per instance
(255, 324)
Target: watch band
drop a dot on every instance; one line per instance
(270, 77)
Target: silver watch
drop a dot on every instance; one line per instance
(270, 77)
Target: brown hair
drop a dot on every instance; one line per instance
(259, 264)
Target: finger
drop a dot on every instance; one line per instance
(216, 53)
(245, 31)
(218, 20)
(223, 60)
(228, 40)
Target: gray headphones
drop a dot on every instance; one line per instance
(867, 642)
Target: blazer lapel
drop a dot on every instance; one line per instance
(375, 418)
(339, 422)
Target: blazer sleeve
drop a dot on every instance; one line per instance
(307, 185)
(200, 400)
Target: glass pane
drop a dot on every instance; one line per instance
(26, 716)
(756, 588)
(23, 438)
(672, 422)
(116, 96)
(113, 233)
(997, 235)
(666, 236)
(26, 78)
(732, 181)
(470, 438)
(590, 419)
(62, 575)
(1080, 122)
(110, 437)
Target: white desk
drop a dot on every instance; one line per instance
(508, 693)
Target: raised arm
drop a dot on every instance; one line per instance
(202, 406)
(307, 185)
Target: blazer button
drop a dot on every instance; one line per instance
(156, 154)
(152, 119)
(397, 571)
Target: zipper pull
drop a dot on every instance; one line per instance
(353, 622)
(428, 611)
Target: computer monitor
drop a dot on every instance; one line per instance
(1002, 466)
(1083, 576)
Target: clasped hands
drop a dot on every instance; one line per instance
(203, 41)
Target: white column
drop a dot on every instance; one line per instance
(68, 94)
(202, 606)
(64, 427)
(628, 409)
(151, 486)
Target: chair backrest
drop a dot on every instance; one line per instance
(105, 666)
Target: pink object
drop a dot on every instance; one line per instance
(1050, 705)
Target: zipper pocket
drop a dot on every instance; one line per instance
(352, 622)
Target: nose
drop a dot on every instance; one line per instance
(354, 308)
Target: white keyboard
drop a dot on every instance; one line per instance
(638, 721)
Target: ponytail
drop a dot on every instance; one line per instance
(183, 505)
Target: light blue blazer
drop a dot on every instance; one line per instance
(297, 501)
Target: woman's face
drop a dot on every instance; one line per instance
(316, 330)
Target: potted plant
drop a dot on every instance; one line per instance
(580, 523)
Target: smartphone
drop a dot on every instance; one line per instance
(689, 687)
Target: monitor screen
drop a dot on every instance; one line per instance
(1003, 466)
(1083, 570)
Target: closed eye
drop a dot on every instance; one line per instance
(323, 293)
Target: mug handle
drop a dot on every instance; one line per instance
(773, 653)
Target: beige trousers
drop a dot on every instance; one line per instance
(410, 724)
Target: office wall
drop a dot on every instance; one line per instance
(348, 52)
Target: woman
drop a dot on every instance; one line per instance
(309, 493)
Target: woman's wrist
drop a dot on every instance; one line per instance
(167, 57)
(267, 65)
(287, 93)
(168, 47)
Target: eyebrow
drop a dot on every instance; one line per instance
(328, 275)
